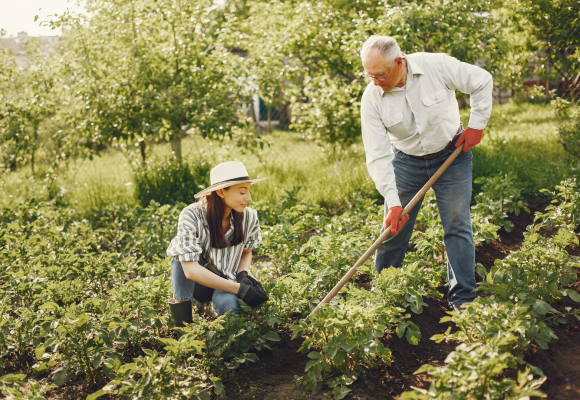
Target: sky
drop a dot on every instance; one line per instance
(18, 15)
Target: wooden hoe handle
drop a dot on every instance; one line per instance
(387, 232)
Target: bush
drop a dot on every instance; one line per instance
(568, 126)
(169, 181)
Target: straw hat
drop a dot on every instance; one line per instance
(225, 175)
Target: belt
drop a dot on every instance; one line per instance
(433, 155)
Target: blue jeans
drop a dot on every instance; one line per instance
(183, 289)
(453, 193)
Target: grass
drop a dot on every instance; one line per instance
(521, 140)
(87, 185)
(325, 178)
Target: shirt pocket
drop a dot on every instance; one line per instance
(436, 105)
(395, 126)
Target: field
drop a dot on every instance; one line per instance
(85, 281)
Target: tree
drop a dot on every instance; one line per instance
(26, 101)
(324, 39)
(554, 27)
(151, 70)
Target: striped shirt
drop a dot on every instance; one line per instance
(192, 242)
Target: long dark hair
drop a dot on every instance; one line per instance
(215, 216)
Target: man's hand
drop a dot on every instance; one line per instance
(394, 219)
(470, 137)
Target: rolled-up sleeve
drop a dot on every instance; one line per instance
(379, 155)
(187, 245)
(253, 234)
(474, 81)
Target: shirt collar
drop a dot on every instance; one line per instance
(231, 228)
(413, 65)
(412, 69)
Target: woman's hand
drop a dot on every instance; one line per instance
(248, 279)
(250, 295)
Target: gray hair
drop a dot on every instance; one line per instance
(386, 45)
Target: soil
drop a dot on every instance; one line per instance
(561, 361)
(273, 377)
(507, 242)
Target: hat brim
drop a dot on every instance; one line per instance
(224, 185)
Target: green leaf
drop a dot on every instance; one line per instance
(340, 392)
(203, 395)
(272, 336)
(95, 395)
(97, 361)
(61, 377)
(489, 278)
(573, 295)
(40, 352)
(541, 307)
(401, 329)
(218, 386)
(314, 355)
(13, 378)
(542, 343)
(413, 334)
(480, 270)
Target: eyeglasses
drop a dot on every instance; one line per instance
(380, 78)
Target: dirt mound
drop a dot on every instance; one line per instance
(390, 381)
(561, 361)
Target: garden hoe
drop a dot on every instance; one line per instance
(387, 232)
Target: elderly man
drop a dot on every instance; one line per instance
(410, 126)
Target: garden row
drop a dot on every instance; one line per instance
(522, 296)
(344, 338)
(83, 296)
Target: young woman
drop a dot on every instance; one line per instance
(212, 251)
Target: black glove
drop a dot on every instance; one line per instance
(248, 279)
(251, 295)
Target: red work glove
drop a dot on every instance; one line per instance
(394, 219)
(471, 137)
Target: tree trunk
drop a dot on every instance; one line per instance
(176, 146)
(269, 120)
(32, 161)
(142, 148)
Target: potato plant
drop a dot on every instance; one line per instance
(82, 336)
(500, 195)
(564, 212)
(80, 293)
(537, 271)
(177, 375)
(485, 319)
(341, 339)
(473, 371)
(14, 387)
(495, 330)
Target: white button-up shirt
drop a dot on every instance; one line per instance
(421, 117)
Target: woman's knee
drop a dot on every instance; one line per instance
(225, 302)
